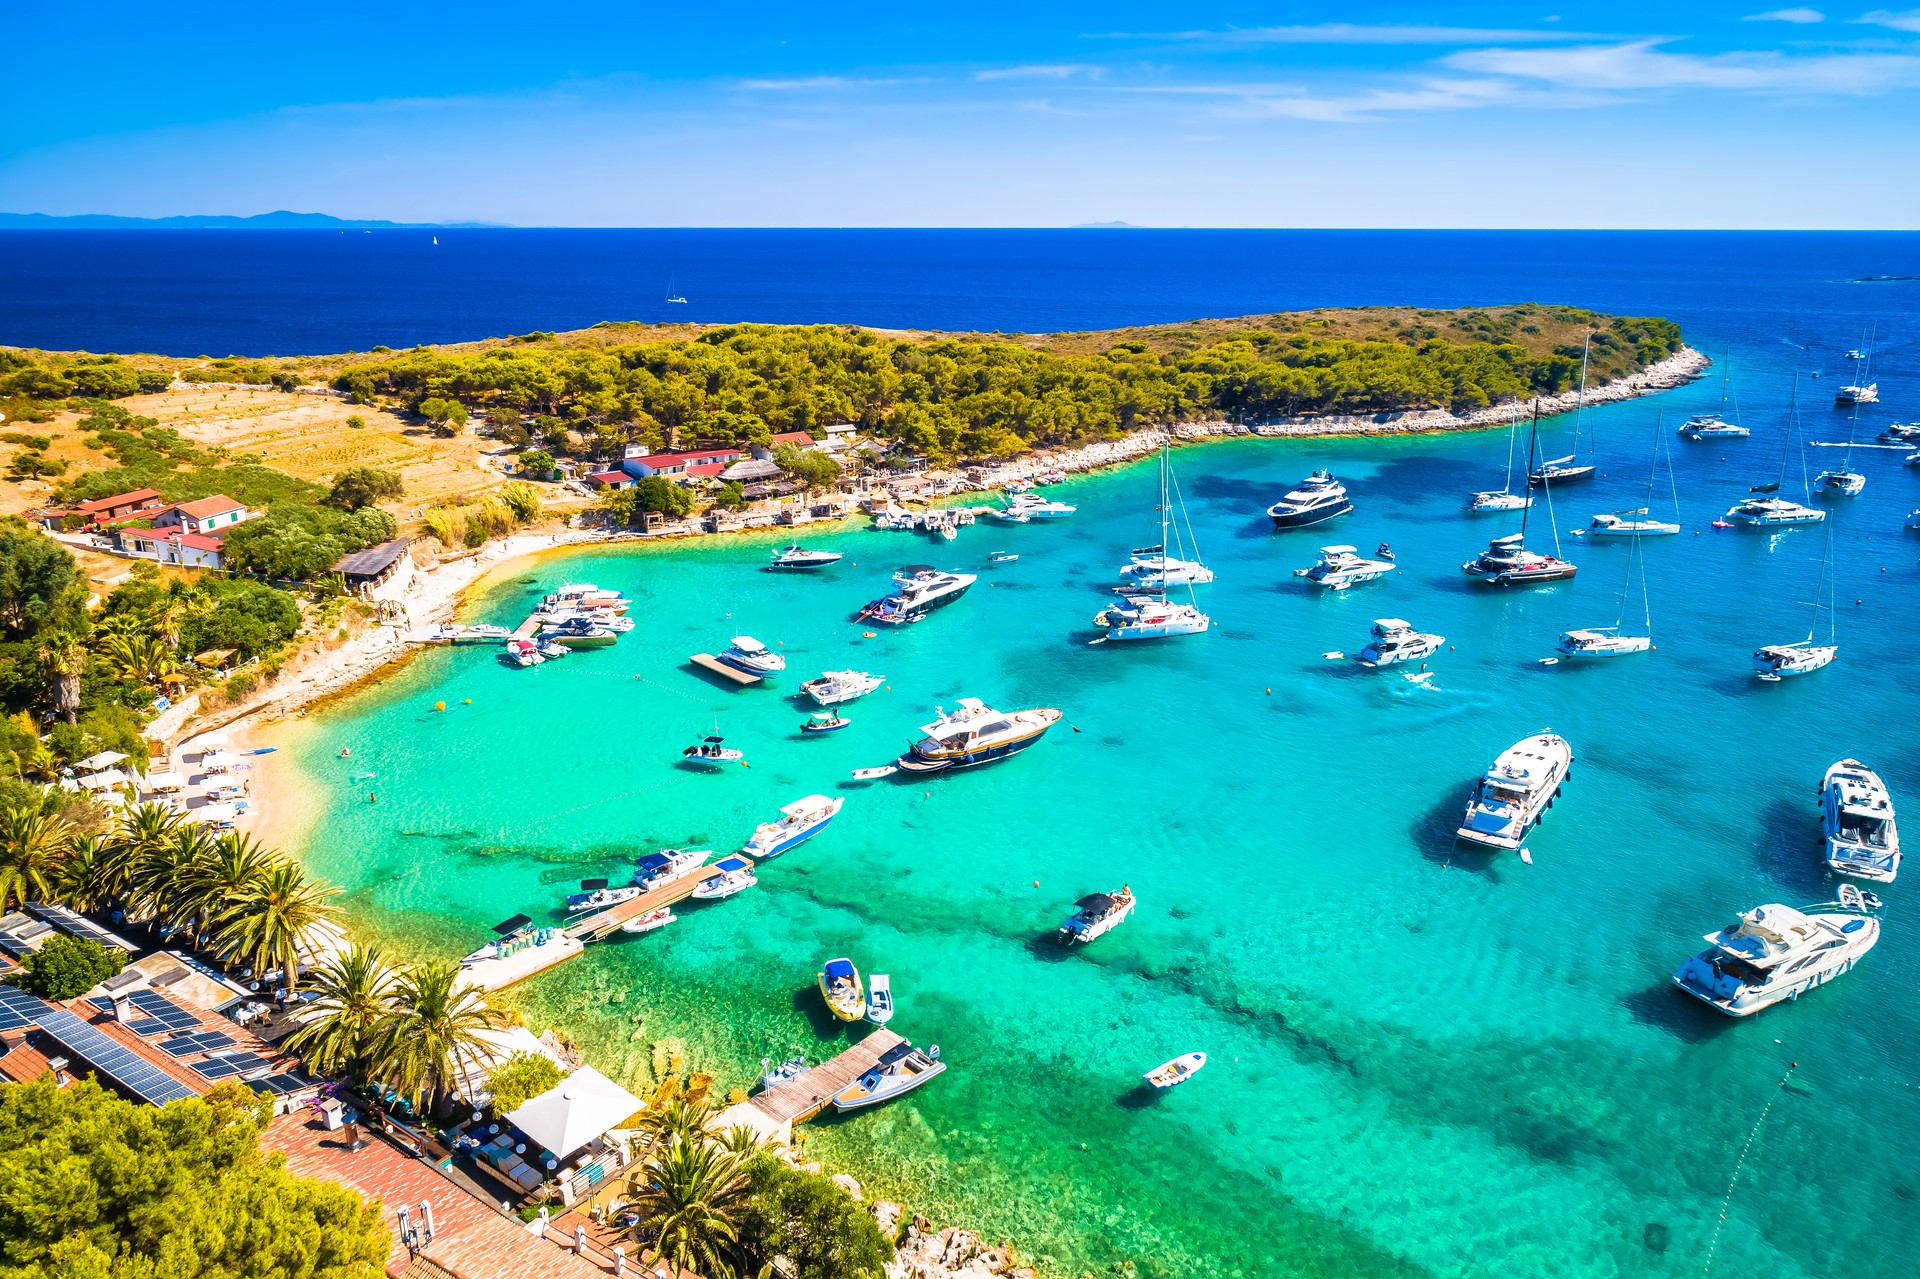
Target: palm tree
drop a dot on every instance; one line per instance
(228, 874)
(65, 659)
(160, 873)
(689, 1198)
(433, 1039)
(680, 1118)
(91, 875)
(355, 997)
(275, 920)
(145, 827)
(141, 657)
(32, 846)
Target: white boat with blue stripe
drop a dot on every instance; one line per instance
(799, 822)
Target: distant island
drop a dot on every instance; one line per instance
(281, 220)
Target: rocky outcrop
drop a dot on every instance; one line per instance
(925, 1253)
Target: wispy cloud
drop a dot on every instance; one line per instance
(1358, 33)
(1298, 102)
(1643, 64)
(1908, 21)
(827, 82)
(1044, 71)
(1802, 16)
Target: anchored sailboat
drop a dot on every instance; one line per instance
(1778, 512)
(1507, 561)
(1154, 616)
(1863, 389)
(1563, 470)
(1504, 498)
(1776, 662)
(1844, 480)
(1638, 522)
(1715, 426)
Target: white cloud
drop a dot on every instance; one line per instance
(1802, 16)
(1357, 33)
(805, 83)
(1908, 21)
(1045, 71)
(1643, 64)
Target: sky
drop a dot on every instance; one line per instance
(987, 113)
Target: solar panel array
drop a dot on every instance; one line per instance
(78, 925)
(13, 947)
(19, 1010)
(141, 1078)
(280, 1084)
(161, 1009)
(237, 1064)
(205, 1042)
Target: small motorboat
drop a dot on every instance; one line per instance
(825, 722)
(1177, 1071)
(799, 822)
(712, 753)
(1095, 914)
(840, 987)
(900, 1070)
(595, 895)
(875, 774)
(579, 632)
(651, 920)
(478, 634)
(835, 687)
(550, 650)
(748, 654)
(1003, 557)
(522, 653)
(797, 556)
(1854, 897)
(880, 999)
(773, 1076)
(736, 876)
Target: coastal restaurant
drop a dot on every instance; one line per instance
(379, 570)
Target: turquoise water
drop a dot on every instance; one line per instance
(1423, 1060)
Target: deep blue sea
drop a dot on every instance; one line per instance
(1425, 1062)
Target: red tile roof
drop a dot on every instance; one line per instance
(201, 507)
(200, 541)
(609, 477)
(24, 1064)
(100, 504)
(793, 437)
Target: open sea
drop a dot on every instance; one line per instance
(1424, 1060)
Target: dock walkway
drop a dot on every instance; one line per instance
(596, 927)
(810, 1092)
(708, 662)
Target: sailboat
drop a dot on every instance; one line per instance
(1504, 498)
(1615, 640)
(1715, 426)
(1862, 390)
(1776, 662)
(1771, 511)
(1844, 480)
(672, 296)
(1507, 561)
(1562, 470)
(1154, 616)
(1638, 522)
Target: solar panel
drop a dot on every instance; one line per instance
(186, 1045)
(149, 1026)
(140, 1077)
(18, 1009)
(246, 1063)
(79, 926)
(280, 1084)
(216, 1068)
(163, 1010)
(212, 1039)
(13, 947)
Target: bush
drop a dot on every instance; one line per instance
(303, 542)
(815, 470)
(536, 462)
(68, 967)
(38, 580)
(359, 486)
(824, 1232)
(522, 499)
(32, 466)
(521, 1076)
(447, 525)
(732, 495)
(447, 416)
(356, 422)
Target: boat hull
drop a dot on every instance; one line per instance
(990, 754)
(1297, 518)
(878, 612)
(584, 641)
(1723, 994)
(898, 1086)
(782, 843)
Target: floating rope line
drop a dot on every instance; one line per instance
(1741, 1162)
(581, 808)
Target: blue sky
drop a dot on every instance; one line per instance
(985, 114)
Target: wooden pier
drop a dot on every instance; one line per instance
(811, 1091)
(707, 661)
(529, 628)
(607, 922)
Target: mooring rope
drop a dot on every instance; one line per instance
(1741, 1162)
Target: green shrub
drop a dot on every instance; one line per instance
(68, 967)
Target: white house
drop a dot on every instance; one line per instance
(202, 515)
(172, 546)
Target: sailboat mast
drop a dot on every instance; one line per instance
(1786, 448)
(1533, 434)
(1513, 429)
(1166, 460)
(1820, 589)
(1580, 403)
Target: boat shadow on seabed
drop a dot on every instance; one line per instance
(1432, 832)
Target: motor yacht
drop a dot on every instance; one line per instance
(974, 734)
(651, 920)
(1498, 500)
(1775, 952)
(797, 556)
(736, 876)
(1775, 662)
(1393, 640)
(900, 1070)
(1152, 569)
(579, 632)
(1137, 617)
(835, 687)
(594, 894)
(1516, 791)
(585, 595)
(1602, 641)
(1507, 562)
(1842, 481)
(840, 987)
(667, 865)
(1097, 914)
(918, 590)
(1319, 498)
(940, 524)
(481, 633)
(748, 654)
(1178, 1071)
(1901, 433)
(549, 650)
(798, 822)
(1857, 814)
(879, 999)
(1035, 507)
(1633, 523)
(1859, 393)
(1712, 426)
(1342, 566)
(611, 621)
(1773, 512)
(712, 752)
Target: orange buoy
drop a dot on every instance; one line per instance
(440, 706)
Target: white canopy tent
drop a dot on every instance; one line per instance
(584, 1105)
(102, 781)
(105, 759)
(219, 759)
(168, 780)
(213, 813)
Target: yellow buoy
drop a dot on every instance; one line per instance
(468, 702)
(439, 706)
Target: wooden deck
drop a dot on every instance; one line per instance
(707, 661)
(596, 927)
(803, 1097)
(528, 628)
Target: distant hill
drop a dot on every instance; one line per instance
(278, 221)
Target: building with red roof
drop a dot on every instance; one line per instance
(104, 510)
(689, 463)
(202, 515)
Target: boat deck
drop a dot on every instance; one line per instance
(707, 661)
(607, 922)
(812, 1091)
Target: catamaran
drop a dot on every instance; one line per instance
(1775, 662)
(1563, 470)
(1504, 498)
(1843, 480)
(1857, 816)
(1774, 953)
(1149, 614)
(1715, 426)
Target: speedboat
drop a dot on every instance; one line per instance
(1776, 662)
(918, 589)
(1498, 500)
(579, 632)
(590, 617)
(1320, 497)
(1393, 640)
(901, 1069)
(585, 595)
(481, 633)
(1775, 952)
(834, 687)
(1342, 566)
(1712, 426)
(1632, 523)
(736, 876)
(1515, 793)
(840, 987)
(974, 734)
(773, 1076)
(1150, 617)
(1032, 506)
(798, 556)
(1773, 512)
(799, 822)
(651, 920)
(825, 722)
(879, 999)
(1841, 480)
(1857, 814)
(1177, 1071)
(1602, 641)
(522, 653)
(1095, 914)
(548, 649)
(1561, 470)
(748, 654)
(1152, 569)
(940, 524)
(595, 895)
(1860, 393)
(1507, 562)
(666, 866)
(1901, 433)
(712, 752)
(1913, 520)
(1004, 557)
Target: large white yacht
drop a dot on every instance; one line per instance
(1508, 562)
(1773, 512)
(1857, 813)
(1509, 801)
(1393, 641)
(1150, 617)
(1320, 497)
(1775, 952)
(748, 654)
(834, 687)
(1712, 426)
(974, 734)
(1152, 569)
(918, 589)
(1342, 566)
(1631, 523)
(1033, 506)
(1862, 393)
